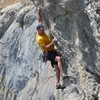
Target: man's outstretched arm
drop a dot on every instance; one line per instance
(39, 15)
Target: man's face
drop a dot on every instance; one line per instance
(41, 31)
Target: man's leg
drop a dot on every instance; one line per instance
(59, 63)
(58, 86)
(57, 74)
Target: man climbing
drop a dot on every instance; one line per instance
(47, 47)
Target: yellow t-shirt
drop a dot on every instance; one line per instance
(43, 40)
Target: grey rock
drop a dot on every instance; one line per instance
(22, 13)
(23, 75)
(5, 21)
(8, 16)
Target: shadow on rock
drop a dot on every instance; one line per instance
(68, 81)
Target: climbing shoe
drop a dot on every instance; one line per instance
(58, 86)
(64, 76)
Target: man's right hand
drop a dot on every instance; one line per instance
(53, 41)
(39, 8)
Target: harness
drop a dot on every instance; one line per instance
(44, 56)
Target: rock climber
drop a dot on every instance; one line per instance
(47, 47)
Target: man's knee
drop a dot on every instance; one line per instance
(58, 58)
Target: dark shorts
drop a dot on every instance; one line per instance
(51, 57)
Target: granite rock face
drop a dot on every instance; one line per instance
(75, 25)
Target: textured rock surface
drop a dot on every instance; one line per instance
(76, 25)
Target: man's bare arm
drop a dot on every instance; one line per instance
(39, 15)
(47, 47)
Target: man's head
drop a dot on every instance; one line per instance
(40, 29)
